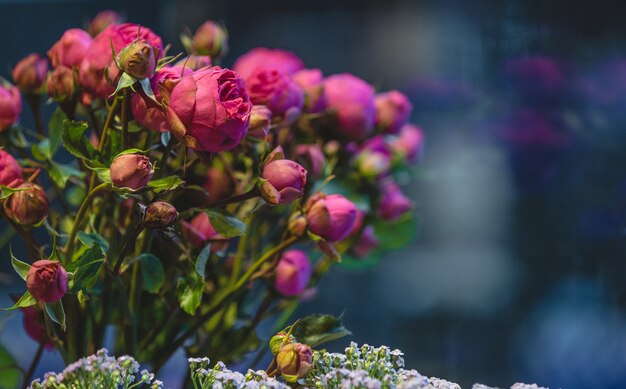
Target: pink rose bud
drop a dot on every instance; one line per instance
(60, 84)
(297, 224)
(274, 89)
(260, 120)
(374, 158)
(200, 231)
(210, 110)
(103, 20)
(392, 111)
(10, 170)
(159, 215)
(30, 73)
(295, 361)
(218, 184)
(393, 203)
(148, 113)
(313, 158)
(139, 59)
(98, 56)
(311, 82)
(33, 322)
(194, 62)
(277, 341)
(409, 143)
(263, 58)
(210, 39)
(293, 273)
(366, 243)
(10, 106)
(70, 49)
(331, 216)
(47, 281)
(132, 171)
(352, 100)
(27, 207)
(286, 180)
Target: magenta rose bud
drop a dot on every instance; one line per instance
(98, 56)
(60, 84)
(313, 158)
(295, 361)
(293, 273)
(200, 231)
(366, 243)
(331, 216)
(194, 62)
(392, 111)
(132, 171)
(210, 110)
(10, 170)
(103, 20)
(47, 281)
(260, 120)
(409, 143)
(352, 100)
(70, 49)
(264, 58)
(30, 73)
(28, 207)
(159, 215)
(148, 113)
(274, 89)
(393, 203)
(311, 82)
(10, 106)
(284, 180)
(210, 39)
(374, 158)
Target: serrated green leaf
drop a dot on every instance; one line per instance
(27, 300)
(152, 272)
(317, 329)
(60, 173)
(225, 223)
(164, 184)
(76, 142)
(10, 374)
(202, 260)
(56, 312)
(89, 239)
(189, 293)
(20, 267)
(55, 130)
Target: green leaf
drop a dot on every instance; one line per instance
(203, 258)
(225, 223)
(17, 137)
(189, 292)
(164, 184)
(86, 269)
(82, 297)
(27, 300)
(41, 150)
(10, 374)
(104, 173)
(131, 151)
(60, 173)
(55, 130)
(6, 192)
(76, 142)
(56, 312)
(126, 81)
(89, 239)
(20, 267)
(152, 272)
(396, 234)
(147, 89)
(317, 329)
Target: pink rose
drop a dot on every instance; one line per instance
(10, 106)
(311, 82)
(30, 73)
(352, 99)
(132, 171)
(275, 90)
(264, 58)
(285, 181)
(200, 231)
(331, 216)
(10, 170)
(60, 84)
(70, 49)
(27, 207)
(145, 110)
(210, 110)
(392, 111)
(103, 20)
(409, 143)
(393, 203)
(293, 273)
(47, 281)
(98, 56)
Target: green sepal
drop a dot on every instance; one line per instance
(21, 268)
(27, 300)
(56, 312)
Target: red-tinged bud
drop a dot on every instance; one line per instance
(139, 59)
(60, 85)
(30, 73)
(47, 281)
(295, 361)
(331, 216)
(210, 39)
(28, 207)
(132, 171)
(159, 215)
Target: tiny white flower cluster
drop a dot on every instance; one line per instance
(518, 385)
(220, 377)
(99, 371)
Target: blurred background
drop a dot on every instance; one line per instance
(517, 272)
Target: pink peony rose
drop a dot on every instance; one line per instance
(264, 58)
(47, 281)
(311, 81)
(10, 170)
(132, 171)
(293, 273)
(392, 111)
(331, 216)
(353, 101)
(70, 49)
(274, 89)
(210, 110)
(145, 111)
(10, 106)
(30, 73)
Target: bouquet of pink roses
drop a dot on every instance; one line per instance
(183, 202)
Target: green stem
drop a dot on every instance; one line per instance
(107, 124)
(125, 107)
(125, 246)
(31, 370)
(81, 214)
(34, 101)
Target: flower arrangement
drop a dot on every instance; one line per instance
(176, 203)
